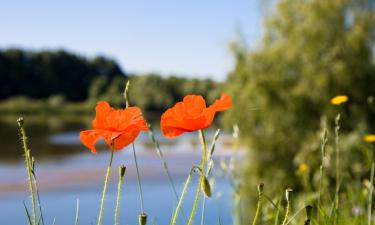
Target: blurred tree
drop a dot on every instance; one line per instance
(311, 51)
(150, 92)
(97, 88)
(46, 73)
(155, 93)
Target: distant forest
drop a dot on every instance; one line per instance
(45, 73)
(63, 76)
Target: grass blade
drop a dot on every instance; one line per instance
(27, 213)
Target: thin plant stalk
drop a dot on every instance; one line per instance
(126, 97)
(337, 142)
(278, 211)
(28, 166)
(122, 170)
(38, 199)
(77, 212)
(209, 169)
(259, 204)
(27, 213)
(105, 186)
(36, 186)
(295, 215)
(138, 179)
(369, 209)
(321, 169)
(165, 167)
(203, 210)
(181, 199)
(202, 177)
(323, 147)
(287, 210)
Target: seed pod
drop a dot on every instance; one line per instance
(142, 219)
(122, 170)
(206, 188)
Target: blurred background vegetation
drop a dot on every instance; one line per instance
(60, 82)
(311, 51)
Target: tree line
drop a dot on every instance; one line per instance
(62, 76)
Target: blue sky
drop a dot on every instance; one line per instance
(181, 37)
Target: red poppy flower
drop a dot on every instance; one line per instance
(118, 128)
(191, 115)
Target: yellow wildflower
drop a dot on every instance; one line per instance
(369, 138)
(303, 168)
(339, 99)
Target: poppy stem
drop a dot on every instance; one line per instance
(175, 214)
(202, 177)
(105, 185)
(138, 179)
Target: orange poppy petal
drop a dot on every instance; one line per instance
(223, 103)
(103, 109)
(89, 138)
(193, 105)
(209, 114)
(125, 139)
(171, 132)
(121, 120)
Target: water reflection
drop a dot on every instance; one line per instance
(67, 171)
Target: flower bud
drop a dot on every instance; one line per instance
(206, 188)
(122, 170)
(142, 219)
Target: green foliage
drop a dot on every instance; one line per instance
(42, 74)
(311, 51)
(150, 92)
(155, 93)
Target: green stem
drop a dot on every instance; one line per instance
(208, 172)
(369, 210)
(323, 147)
(203, 209)
(38, 199)
(126, 96)
(105, 187)
(201, 180)
(28, 166)
(259, 205)
(175, 214)
(77, 212)
(121, 177)
(337, 140)
(287, 192)
(138, 179)
(165, 167)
